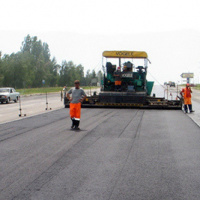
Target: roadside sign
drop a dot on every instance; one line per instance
(94, 80)
(187, 75)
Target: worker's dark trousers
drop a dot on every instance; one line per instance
(75, 123)
(190, 107)
(186, 108)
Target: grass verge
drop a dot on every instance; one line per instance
(28, 91)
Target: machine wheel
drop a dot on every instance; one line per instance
(16, 100)
(8, 100)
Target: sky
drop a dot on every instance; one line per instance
(80, 30)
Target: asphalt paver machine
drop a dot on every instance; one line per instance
(134, 90)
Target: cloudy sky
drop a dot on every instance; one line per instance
(79, 30)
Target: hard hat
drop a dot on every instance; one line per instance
(118, 68)
(187, 84)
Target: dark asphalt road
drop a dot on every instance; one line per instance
(119, 154)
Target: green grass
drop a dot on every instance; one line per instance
(197, 87)
(28, 91)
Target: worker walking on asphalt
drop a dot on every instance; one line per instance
(76, 95)
(186, 94)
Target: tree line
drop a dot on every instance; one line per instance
(33, 67)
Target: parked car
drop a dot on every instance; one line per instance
(8, 94)
(172, 84)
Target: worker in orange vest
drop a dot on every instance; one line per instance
(76, 95)
(186, 94)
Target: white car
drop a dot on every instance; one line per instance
(8, 94)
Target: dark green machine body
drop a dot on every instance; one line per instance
(134, 85)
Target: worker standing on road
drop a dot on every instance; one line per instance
(65, 90)
(76, 95)
(118, 82)
(64, 93)
(186, 94)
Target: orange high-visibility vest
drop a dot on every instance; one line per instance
(75, 111)
(187, 92)
(187, 96)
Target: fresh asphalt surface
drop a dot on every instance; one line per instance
(119, 154)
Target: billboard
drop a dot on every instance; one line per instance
(187, 75)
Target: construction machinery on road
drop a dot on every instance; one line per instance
(125, 85)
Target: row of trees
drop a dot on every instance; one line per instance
(33, 64)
